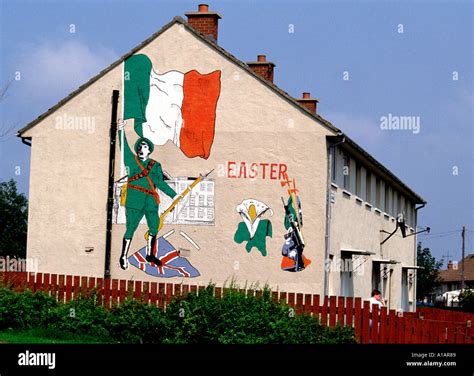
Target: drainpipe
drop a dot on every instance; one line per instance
(110, 198)
(415, 257)
(390, 272)
(327, 236)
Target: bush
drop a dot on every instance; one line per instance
(25, 310)
(194, 319)
(466, 300)
(81, 316)
(136, 322)
(241, 319)
(338, 335)
(8, 305)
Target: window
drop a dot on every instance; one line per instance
(407, 213)
(386, 207)
(358, 180)
(399, 204)
(410, 214)
(368, 187)
(394, 199)
(378, 193)
(403, 207)
(333, 162)
(345, 171)
(376, 273)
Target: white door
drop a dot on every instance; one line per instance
(404, 303)
(347, 282)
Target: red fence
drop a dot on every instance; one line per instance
(444, 315)
(378, 326)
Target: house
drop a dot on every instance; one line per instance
(451, 278)
(223, 128)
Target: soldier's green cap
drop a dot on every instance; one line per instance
(143, 139)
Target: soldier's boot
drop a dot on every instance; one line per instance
(150, 251)
(124, 256)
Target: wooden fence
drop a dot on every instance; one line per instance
(444, 315)
(379, 326)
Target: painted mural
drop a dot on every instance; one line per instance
(196, 208)
(141, 198)
(172, 264)
(165, 107)
(293, 259)
(172, 106)
(180, 108)
(253, 229)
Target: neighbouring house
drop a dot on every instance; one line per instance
(263, 189)
(451, 277)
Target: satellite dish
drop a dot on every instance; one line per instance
(402, 226)
(401, 223)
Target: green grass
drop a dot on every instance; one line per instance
(44, 336)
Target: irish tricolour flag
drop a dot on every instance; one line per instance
(175, 106)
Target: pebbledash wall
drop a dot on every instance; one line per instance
(279, 143)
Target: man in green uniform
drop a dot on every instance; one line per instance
(144, 176)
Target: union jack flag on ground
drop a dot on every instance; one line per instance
(173, 265)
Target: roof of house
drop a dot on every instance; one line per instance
(354, 148)
(203, 38)
(242, 65)
(454, 275)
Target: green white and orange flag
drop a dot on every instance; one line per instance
(175, 106)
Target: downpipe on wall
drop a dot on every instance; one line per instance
(327, 236)
(110, 191)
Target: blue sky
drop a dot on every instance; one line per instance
(404, 74)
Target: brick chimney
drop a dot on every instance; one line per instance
(308, 102)
(204, 21)
(262, 67)
(450, 265)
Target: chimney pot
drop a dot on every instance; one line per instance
(308, 102)
(204, 21)
(450, 265)
(203, 8)
(262, 67)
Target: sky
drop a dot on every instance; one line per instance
(364, 60)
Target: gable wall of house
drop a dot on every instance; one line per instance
(253, 125)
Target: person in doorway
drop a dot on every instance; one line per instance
(376, 298)
(145, 175)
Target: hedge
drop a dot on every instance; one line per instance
(193, 319)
